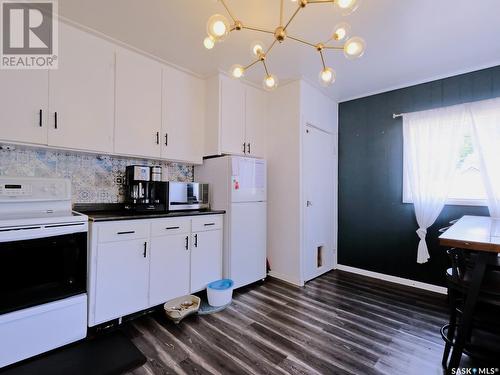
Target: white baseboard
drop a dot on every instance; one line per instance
(393, 279)
(286, 278)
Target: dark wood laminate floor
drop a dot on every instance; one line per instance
(339, 323)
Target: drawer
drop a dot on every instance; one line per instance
(123, 230)
(162, 227)
(209, 222)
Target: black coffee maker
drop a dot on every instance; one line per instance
(144, 188)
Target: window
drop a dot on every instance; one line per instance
(467, 188)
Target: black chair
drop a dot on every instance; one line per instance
(483, 343)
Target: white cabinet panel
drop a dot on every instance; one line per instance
(206, 259)
(255, 121)
(82, 93)
(24, 104)
(183, 116)
(122, 279)
(232, 116)
(138, 105)
(169, 270)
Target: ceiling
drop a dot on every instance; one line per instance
(408, 41)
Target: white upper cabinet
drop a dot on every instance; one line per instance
(183, 116)
(24, 104)
(81, 96)
(235, 118)
(232, 113)
(317, 109)
(255, 121)
(138, 105)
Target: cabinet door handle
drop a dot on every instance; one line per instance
(249, 147)
(209, 224)
(157, 138)
(40, 114)
(187, 242)
(171, 228)
(166, 139)
(145, 249)
(55, 120)
(195, 240)
(245, 148)
(127, 232)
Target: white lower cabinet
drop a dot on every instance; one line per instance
(122, 278)
(137, 264)
(206, 259)
(169, 271)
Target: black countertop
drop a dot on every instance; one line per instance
(111, 212)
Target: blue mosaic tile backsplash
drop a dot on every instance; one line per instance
(94, 178)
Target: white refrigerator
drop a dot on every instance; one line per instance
(238, 186)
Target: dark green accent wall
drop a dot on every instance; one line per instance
(376, 230)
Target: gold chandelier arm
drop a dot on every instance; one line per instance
(251, 64)
(320, 1)
(227, 10)
(333, 47)
(270, 47)
(322, 59)
(302, 41)
(265, 67)
(281, 11)
(258, 29)
(292, 17)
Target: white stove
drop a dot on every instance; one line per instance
(43, 268)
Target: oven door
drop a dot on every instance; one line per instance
(40, 264)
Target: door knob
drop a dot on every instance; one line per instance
(309, 203)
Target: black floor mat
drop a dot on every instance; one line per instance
(108, 354)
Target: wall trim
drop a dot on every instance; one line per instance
(393, 279)
(285, 278)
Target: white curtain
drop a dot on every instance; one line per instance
(432, 142)
(486, 130)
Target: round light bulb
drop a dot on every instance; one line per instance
(326, 77)
(237, 71)
(354, 48)
(347, 6)
(209, 42)
(257, 48)
(270, 82)
(341, 31)
(217, 27)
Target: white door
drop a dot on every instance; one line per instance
(232, 116)
(82, 93)
(23, 105)
(255, 121)
(318, 186)
(138, 105)
(206, 259)
(122, 279)
(247, 252)
(183, 102)
(169, 270)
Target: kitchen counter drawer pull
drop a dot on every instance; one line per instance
(171, 228)
(196, 240)
(209, 224)
(127, 232)
(187, 242)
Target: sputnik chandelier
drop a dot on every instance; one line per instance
(218, 27)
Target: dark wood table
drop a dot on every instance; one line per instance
(482, 235)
